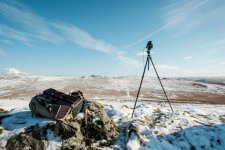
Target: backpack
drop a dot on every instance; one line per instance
(56, 105)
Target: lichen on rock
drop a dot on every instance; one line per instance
(34, 137)
(99, 127)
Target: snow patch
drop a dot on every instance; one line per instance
(14, 71)
(54, 141)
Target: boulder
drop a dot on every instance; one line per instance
(98, 127)
(34, 137)
(75, 142)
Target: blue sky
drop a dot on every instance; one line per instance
(103, 37)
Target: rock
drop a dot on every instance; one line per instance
(3, 112)
(197, 85)
(99, 128)
(32, 138)
(1, 130)
(93, 131)
(75, 142)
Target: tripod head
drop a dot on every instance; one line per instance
(149, 46)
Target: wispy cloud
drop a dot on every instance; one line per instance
(2, 52)
(32, 27)
(126, 60)
(14, 34)
(84, 39)
(147, 36)
(176, 14)
(6, 41)
(213, 46)
(222, 63)
(166, 67)
(204, 62)
(143, 53)
(30, 23)
(188, 57)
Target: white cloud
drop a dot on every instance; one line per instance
(2, 52)
(147, 36)
(203, 62)
(178, 13)
(126, 60)
(14, 34)
(143, 53)
(188, 57)
(167, 67)
(84, 39)
(222, 63)
(33, 28)
(31, 24)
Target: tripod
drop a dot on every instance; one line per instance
(149, 46)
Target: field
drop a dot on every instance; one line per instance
(189, 90)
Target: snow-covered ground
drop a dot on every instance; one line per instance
(191, 126)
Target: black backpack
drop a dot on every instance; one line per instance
(58, 106)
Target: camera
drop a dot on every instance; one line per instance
(149, 45)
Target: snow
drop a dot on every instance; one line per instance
(191, 125)
(54, 141)
(12, 71)
(133, 142)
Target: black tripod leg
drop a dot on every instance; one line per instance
(161, 83)
(147, 61)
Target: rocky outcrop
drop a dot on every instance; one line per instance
(34, 137)
(92, 131)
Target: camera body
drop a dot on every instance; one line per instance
(149, 45)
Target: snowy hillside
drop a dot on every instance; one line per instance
(196, 124)
(15, 84)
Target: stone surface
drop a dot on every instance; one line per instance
(32, 138)
(99, 127)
